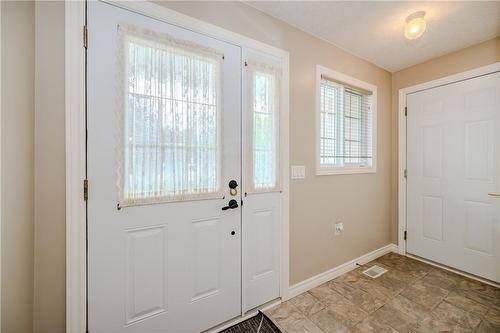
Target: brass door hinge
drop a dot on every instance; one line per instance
(85, 189)
(85, 36)
(406, 173)
(406, 111)
(405, 235)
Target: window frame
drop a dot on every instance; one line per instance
(355, 83)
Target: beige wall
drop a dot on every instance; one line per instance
(362, 202)
(18, 51)
(50, 232)
(469, 58)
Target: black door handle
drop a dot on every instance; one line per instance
(231, 205)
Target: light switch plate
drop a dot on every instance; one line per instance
(298, 172)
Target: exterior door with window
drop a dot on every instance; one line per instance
(164, 246)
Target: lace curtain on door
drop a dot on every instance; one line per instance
(263, 82)
(169, 119)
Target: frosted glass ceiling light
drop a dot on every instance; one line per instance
(415, 25)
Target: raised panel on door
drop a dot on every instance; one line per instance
(261, 249)
(453, 161)
(146, 272)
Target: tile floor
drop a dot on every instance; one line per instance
(411, 297)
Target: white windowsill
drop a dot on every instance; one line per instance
(344, 171)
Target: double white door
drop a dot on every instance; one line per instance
(453, 158)
(164, 170)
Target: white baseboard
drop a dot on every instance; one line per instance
(321, 278)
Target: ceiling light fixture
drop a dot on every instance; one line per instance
(415, 25)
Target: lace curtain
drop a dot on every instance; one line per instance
(169, 118)
(263, 82)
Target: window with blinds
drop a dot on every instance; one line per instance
(346, 124)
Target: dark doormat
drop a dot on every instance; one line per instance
(252, 325)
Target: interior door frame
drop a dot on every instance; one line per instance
(402, 142)
(75, 85)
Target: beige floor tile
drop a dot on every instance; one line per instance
(307, 304)
(351, 313)
(425, 294)
(450, 312)
(357, 296)
(329, 321)
(467, 304)
(372, 325)
(479, 297)
(391, 316)
(450, 276)
(493, 316)
(437, 279)
(405, 276)
(416, 311)
(375, 289)
(479, 287)
(432, 325)
(395, 286)
(488, 327)
(325, 294)
(291, 320)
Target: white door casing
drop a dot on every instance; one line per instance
(171, 267)
(453, 161)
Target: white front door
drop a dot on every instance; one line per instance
(453, 158)
(163, 122)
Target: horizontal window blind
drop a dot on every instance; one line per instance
(346, 133)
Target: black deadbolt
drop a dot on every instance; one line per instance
(233, 233)
(233, 184)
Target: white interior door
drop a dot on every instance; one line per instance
(453, 158)
(163, 143)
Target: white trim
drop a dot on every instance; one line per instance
(349, 80)
(75, 142)
(402, 136)
(321, 278)
(0, 166)
(76, 293)
(170, 16)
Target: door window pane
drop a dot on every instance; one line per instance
(264, 128)
(171, 120)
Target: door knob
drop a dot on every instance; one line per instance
(231, 205)
(233, 184)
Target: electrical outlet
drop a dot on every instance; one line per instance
(339, 227)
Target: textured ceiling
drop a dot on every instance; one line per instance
(374, 30)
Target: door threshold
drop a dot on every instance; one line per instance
(454, 270)
(249, 314)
